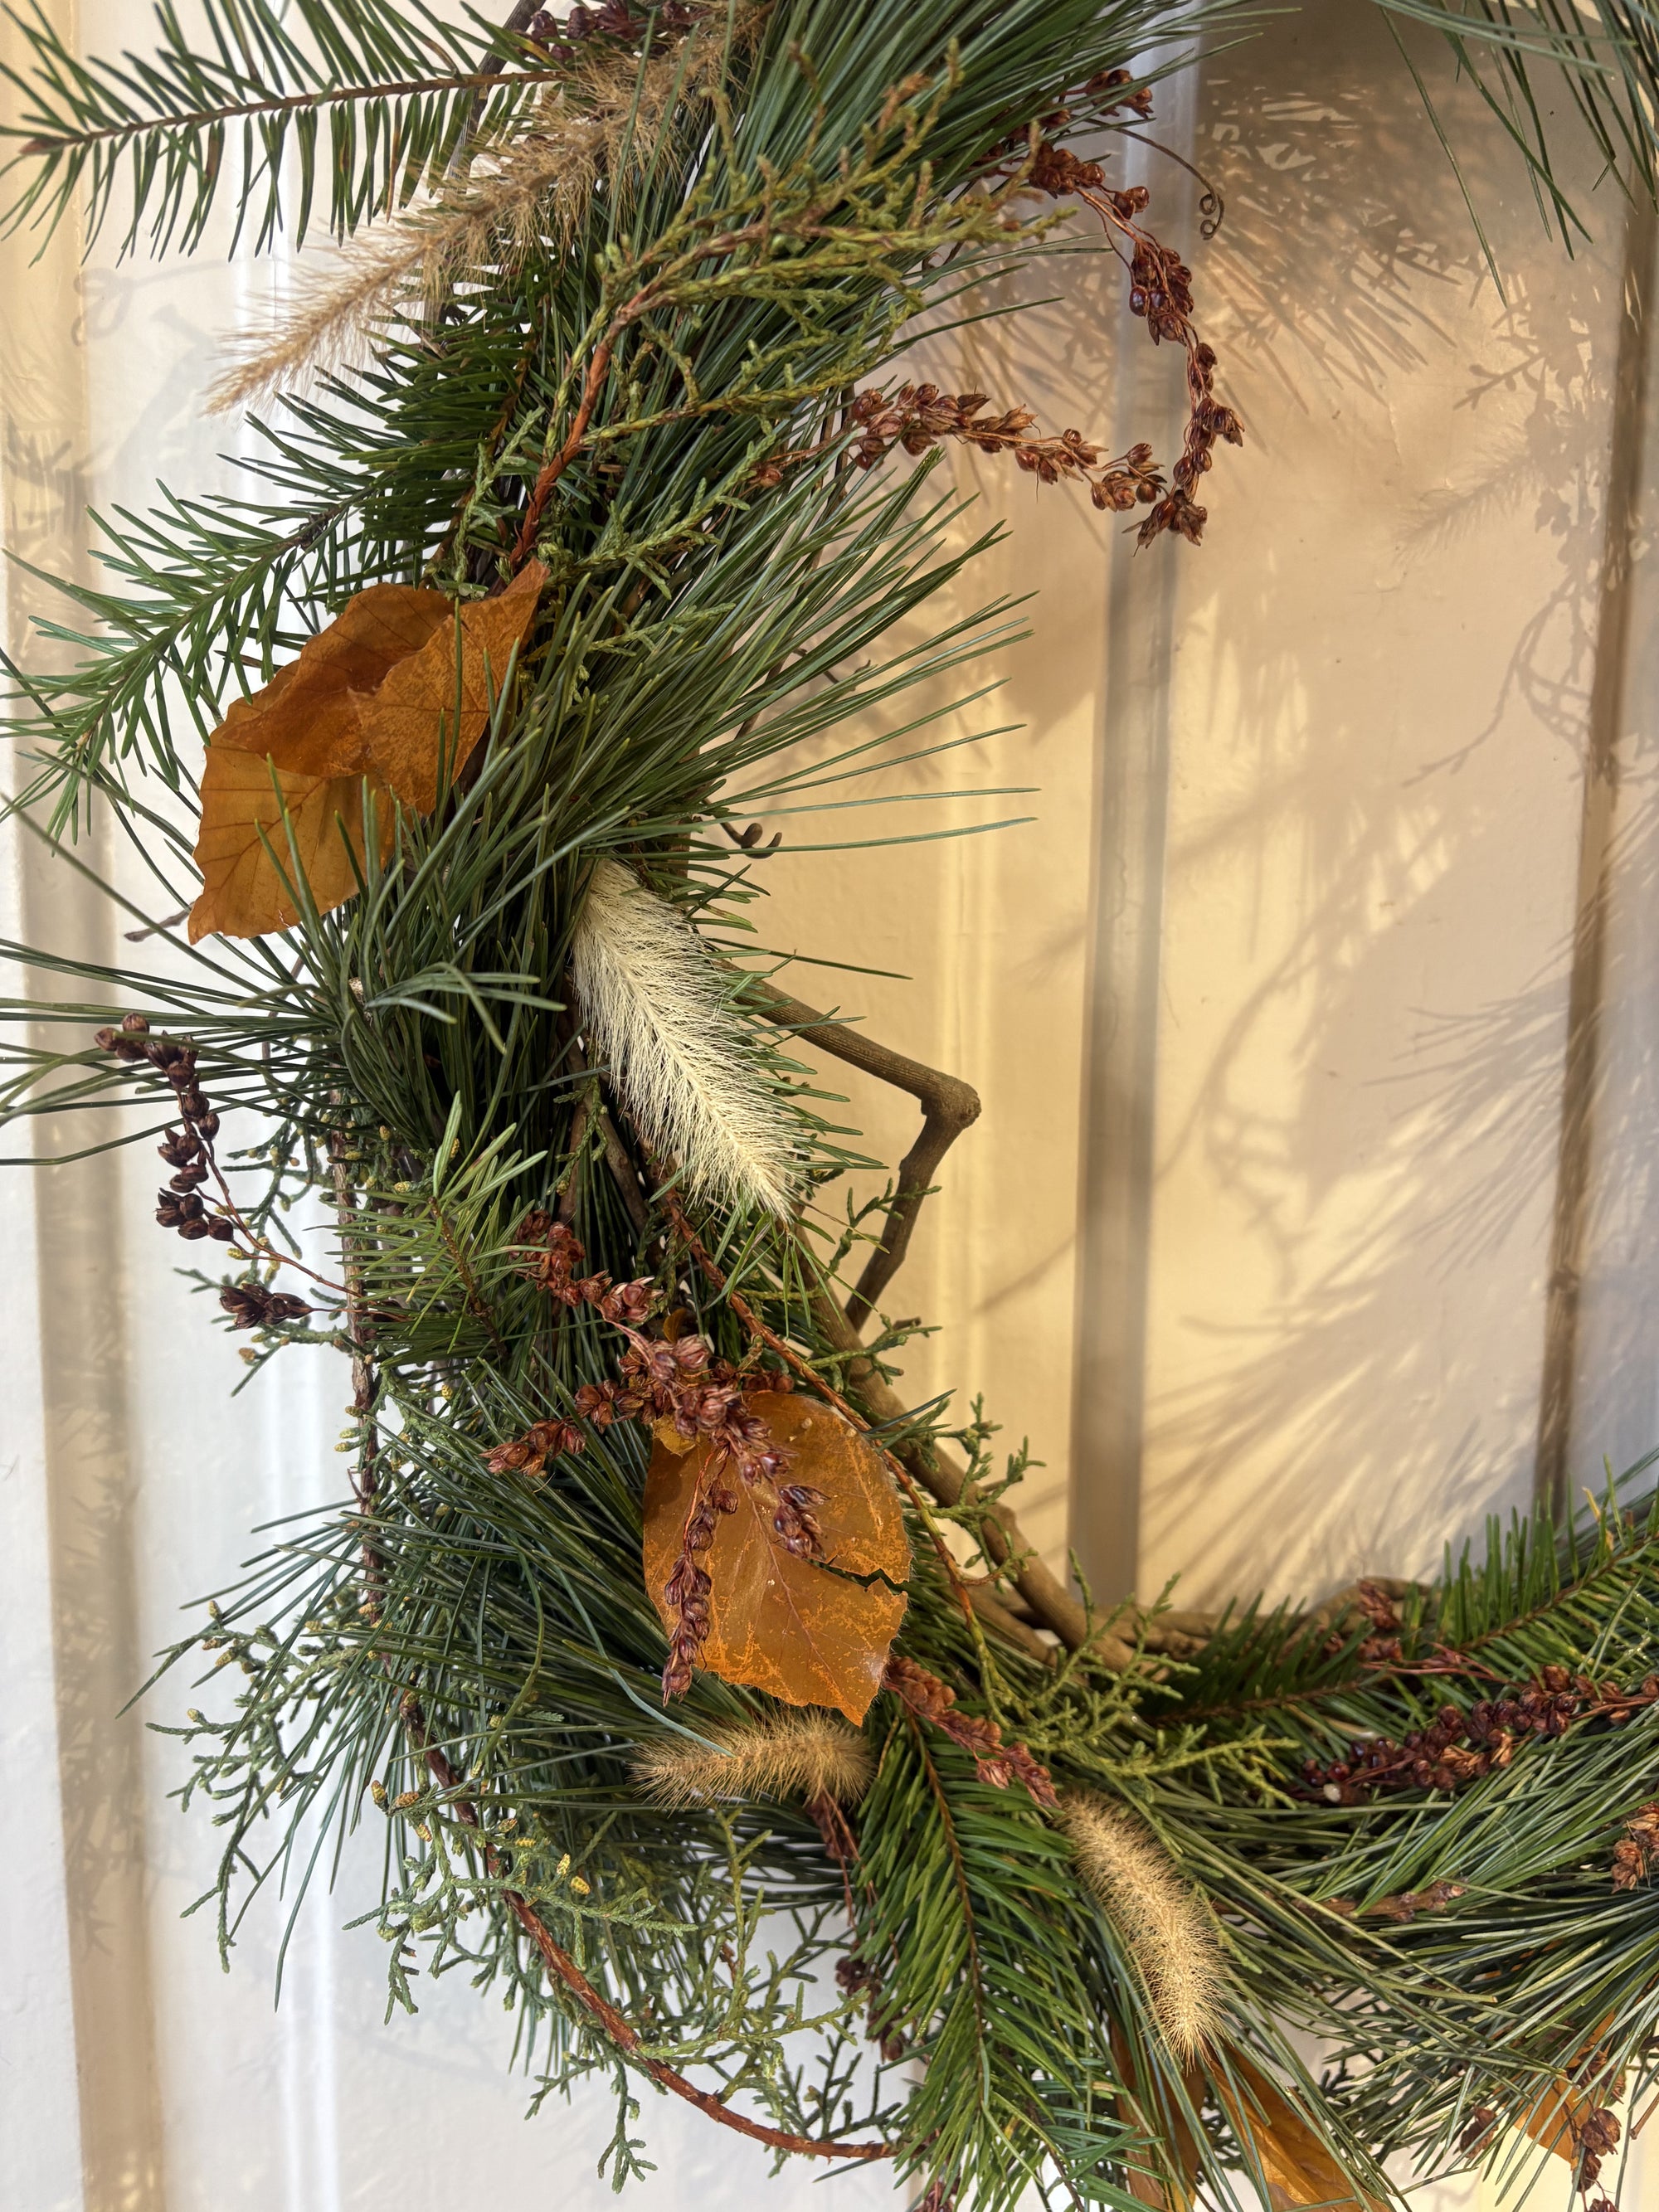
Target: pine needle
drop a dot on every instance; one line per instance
(685, 1066)
(1161, 1918)
(797, 1756)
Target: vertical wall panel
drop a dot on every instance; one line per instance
(1379, 700)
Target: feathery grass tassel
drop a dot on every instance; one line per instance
(795, 1756)
(684, 1063)
(1162, 1919)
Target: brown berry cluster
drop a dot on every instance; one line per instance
(252, 1305)
(860, 1978)
(1001, 1765)
(1166, 285)
(1634, 1853)
(1459, 1747)
(528, 1455)
(1161, 292)
(1591, 2131)
(613, 19)
(549, 1254)
(917, 416)
(675, 1380)
(187, 1150)
(1108, 95)
(1103, 96)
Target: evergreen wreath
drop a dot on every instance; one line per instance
(656, 1621)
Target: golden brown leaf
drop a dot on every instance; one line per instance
(1295, 2164)
(243, 893)
(790, 1626)
(435, 706)
(377, 702)
(667, 1434)
(1168, 2183)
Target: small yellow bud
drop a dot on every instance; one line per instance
(377, 1791)
(579, 1884)
(564, 1867)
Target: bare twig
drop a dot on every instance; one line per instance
(365, 1383)
(1053, 1606)
(948, 1106)
(623, 1172)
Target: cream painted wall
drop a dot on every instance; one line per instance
(1266, 1005)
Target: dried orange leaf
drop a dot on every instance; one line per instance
(435, 706)
(309, 717)
(1295, 2164)
(377, 702)
(243, 795)
(800, 1631)
(1164, 2175)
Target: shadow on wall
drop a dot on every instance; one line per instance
(1382, 710)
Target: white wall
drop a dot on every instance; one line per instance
(1268, 1009)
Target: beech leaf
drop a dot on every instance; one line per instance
(394, 689)
(791, 1627)
(1174, 2189)
(1295, 2164)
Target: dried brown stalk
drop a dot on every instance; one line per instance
(1160, 291)
(917, 416)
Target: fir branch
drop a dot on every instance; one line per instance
(395, 86)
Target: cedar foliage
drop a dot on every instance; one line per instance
(466, 1651)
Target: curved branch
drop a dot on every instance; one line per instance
(948, 1106)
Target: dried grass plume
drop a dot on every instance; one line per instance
(1163, 1920)
(608, 116)
(795, 1756)
(686, 1067)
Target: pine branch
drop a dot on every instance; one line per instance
(396, 87)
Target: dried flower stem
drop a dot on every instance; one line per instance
(598, 370)
(997, 1763)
